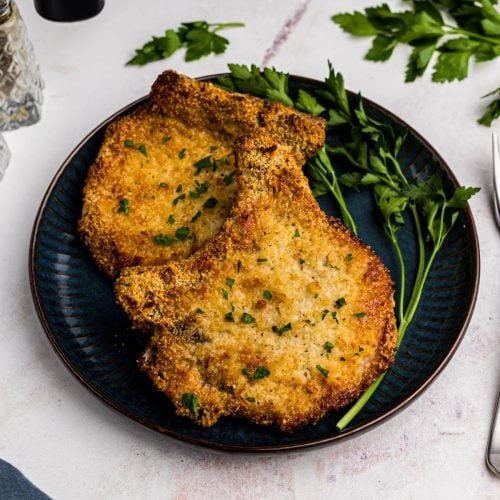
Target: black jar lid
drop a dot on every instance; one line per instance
(67, 11)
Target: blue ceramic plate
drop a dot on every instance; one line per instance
(90, 332)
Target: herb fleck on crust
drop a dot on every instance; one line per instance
(321, 334)
(173, 157)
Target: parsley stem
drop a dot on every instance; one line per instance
(360, 403)
(339, 198)
(392, 236)
(421, 245)
(324, 170)
(415, 297)
(453, 30)
(221, 26)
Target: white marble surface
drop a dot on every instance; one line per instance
(73, 446)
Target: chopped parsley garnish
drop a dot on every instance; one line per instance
(199, 311)
(296, 234)
(213, 148)
(180, 197)
(143, 150)
(239, 266)
(230, 282)
(179, 188)
(322, 370)
(166, 138)
(360, 315)
(260, 372)
(247, 318)
(334, 316)
(340, 302)
(171, 219)
(349, 257)
(283, 329)
(328, 347)
(250, 399)
(197, 215)
(163, 239)
(267, 295)
(210, 203)
(200, 189)
(190, 401)
(203, 163)
(209, 162)
(163, 185)
(324, 314)
(261, 260)
(182, 233)
(182, 153)
(229, 316)
(302, 261)
(129, 143)
(360, 349)
(123, 206)
(229, 178)
(225, 293)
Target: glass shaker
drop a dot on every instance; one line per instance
(4, 156)
(20, 81)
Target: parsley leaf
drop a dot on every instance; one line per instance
(281, 330)
(182, 233)
(472, 33)
(270, 84)
(260, 372)
(308, 103)
(123, 206)
(190, 401)
(196, 216)
(210, 203)
(199, 38)
(492, 111)
(322, 370)
(340, 302)
(328, 347)
(247, 319)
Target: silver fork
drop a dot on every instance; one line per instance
(493, 453)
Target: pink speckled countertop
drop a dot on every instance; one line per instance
(73, 446)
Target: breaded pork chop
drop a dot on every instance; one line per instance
(163, 181)
(281, 317)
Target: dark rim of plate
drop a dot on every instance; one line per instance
(351, 431)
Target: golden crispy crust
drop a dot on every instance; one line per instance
(184, 122)
(282, 289)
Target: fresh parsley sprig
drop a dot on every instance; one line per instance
(373, 152)
(272, 85)
(492, 110)
(474, 34)
(268, 84)
(199, 38)
(371, 148)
